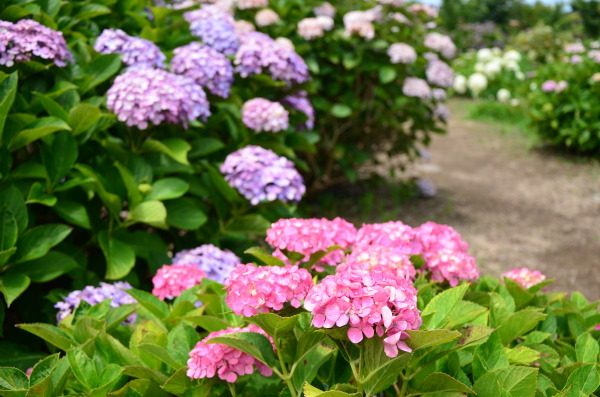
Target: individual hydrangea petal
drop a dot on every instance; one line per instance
(27, 38)
(525, 276)
(153, 96)
(261, 175)
(206, 66)
(260, 114)
(402, 53)
(440, 74)
(440, 43)
(208, 360)
(416, 88)
(95, 295)
(300, 102)
(215, 262)
(252, 290)
(135, 52)
(214, 27)
(171, 280)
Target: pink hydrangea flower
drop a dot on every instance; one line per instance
(248, 4)
(441, 43)
(415, 87)
(375, 302)
(210, 359)
(360, 23)
(252, 290)
(395, 235)
(325, 9)
(381, 258)
(307, 236)
(597, 327)
(524, 276)
(401, 53)
(260, 114)
(549, 86)
(310, 28)
(171, 280)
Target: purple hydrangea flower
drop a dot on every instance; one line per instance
(27, 38)
(135, 52)
(441, 43)
(401, 53)
(206, 66)
(261, 175)
(442, 112)
(300, 102)
(215, 262)
(439, 73)
(416, 88)
(95, 295)
(215, 27)
(153, 96)
(439, 94)
(260, 114)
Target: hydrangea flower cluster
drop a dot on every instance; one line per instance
(361, 23)
(395, 235)
(242, 27)
(206, 66)
(442, 112)
(266, 17)
(135, 52)
(208, 360)
(526, 277)
(425, 9)
(299, 101)
(310, 28)
(553, 86)
(402, 53)
(261, 175)
(249, 4)
(216, 263)
(260, 114)
(439, 94)
(440, 43)
(575, 48)
(380, 257)
(27, 38)
(258, 51)
(307, 236)
(326, 10)
(215, 27)
(375, 302)
(171, 280)
(252, 290)
(141, 97)
(440, 74)
(416, 88)
(95, 295)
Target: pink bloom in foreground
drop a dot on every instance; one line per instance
(171, 280)
(207, 360)
(597, 327)
(307, 236)
(395, 235)
(379, 258)
(524, 276)
(252, 290)
(375, 302)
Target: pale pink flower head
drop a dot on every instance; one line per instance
(260, 114)
(549, 86)
(327, 23)
(415, 87)
(308, 236)
(526, 277)
(401, 53)
(597, 327)
(440, 74)
(325, 10)
(380, 257)
(171, 280)
(441, 43)
(266, 17)
(433, 236)
(595, 55)
(208, 360)
(374, 302)
(424, 9)
(395, 235)
(310, 28)
(575, 48)
(242, 27)
(285, 43)
(252, 290)
(561, 86)
(360, 23)
(249, 4)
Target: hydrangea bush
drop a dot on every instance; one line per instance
(380, 322)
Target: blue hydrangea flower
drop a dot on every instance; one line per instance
(215, 262)
(214, 27)
(135, 52)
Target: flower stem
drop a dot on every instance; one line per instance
(285, 375)
(232, 389)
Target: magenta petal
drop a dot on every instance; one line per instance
(355, 335)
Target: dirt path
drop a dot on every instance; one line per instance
(515, 206)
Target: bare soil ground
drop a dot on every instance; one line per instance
(515, 205)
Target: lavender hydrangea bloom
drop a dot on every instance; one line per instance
(260, 114)
(215, 262)
(135, 52)
(215, 27)
(416, 88)
(439, 73)
(141, 97)
(27, 38)
(95, 295)
(261, 175)
(206, 66)
(300, 102)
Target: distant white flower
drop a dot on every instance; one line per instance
(484, 55)
(477, 82)
(326, 22)
(503, 95)
(460, 84)
(520, 75)
(310, 28)
(285, 42)
(512, 55)
(533, 87)
(515, 102)
(266, 17)
(496, 51)
(493, 68)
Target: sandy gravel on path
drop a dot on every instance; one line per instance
(515, 205)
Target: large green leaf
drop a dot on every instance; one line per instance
(82, 117)
(387, 74)
(439, 382)
(311, 354)
(43, 369)
(153, 213)
(13, 379)
(435, 315)
(9, 230)
(100, 70)
(250, 224)
(49, 333)
(40, 128)
(167, 189)
(380, 371)
(73, 212)
(133, 192)
(273, 324)
(582, 382)
(120, 258)
(36, 242)
(311, 391)
(263, 255)
(155, 306)
(52, 265)
(83, 368)
(59, 156)
(12, 198)
(204, 146)
(12, 285)
(185, 213)
(8, 90)
(509, 381)
(519, 323)
(429, 338)
(489, 356)
(175, 148)
(255, 344)
(52, 107)
(587, 348)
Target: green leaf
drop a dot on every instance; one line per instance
(153, 213)
(83, 117)
(587, 348)
(583, 381)
(167, 189)
(6, 254)
(273, 324)
(38, 196)
(13, 379)
(8, 90)
(44, 369)
(255, 344)
(89, 11)
(50, 266)
(73, 212)
(517, 381)
(40, 128)
(311, 391)
(428, 338)
(185, 213)
(163, 355)
(522, 355)
(13, 200)
(387, 74)
(311, 354)
(178, 383)
(12, 285)
(263, 255)
(341, 111)
(519, 323)
(141, 372)
(467, 313)
(250, 224)
(120, 259)
(111, 200)
(202, 147)
(175, 148)
(133, 191)
(83, 368)
(100, 70)
(59, 156)
(380, 371)
(52, 107)
(108, 377)
(439, 382)
(151, 303)
(9, 230)
(489, 356)
(435, 314)
(49, 333)
(209, 323)
(36, 242)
